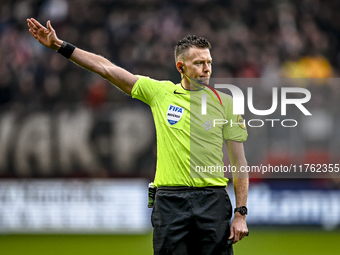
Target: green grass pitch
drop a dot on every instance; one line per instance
(276, 241)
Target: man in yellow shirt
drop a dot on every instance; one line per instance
(192, 210)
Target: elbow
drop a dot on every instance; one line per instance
(115, 75)
(128, 90)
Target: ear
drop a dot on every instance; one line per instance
(179, 66)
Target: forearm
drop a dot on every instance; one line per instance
(240, 178)
(87, 60)
(102, 66)
(240, 181)
(91, 62)
(241, 191)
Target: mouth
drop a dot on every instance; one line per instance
(204, 78)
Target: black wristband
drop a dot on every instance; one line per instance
(66, 49)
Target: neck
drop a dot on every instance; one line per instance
(185, 82)
(190, 84)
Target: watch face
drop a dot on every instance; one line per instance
(243, 210)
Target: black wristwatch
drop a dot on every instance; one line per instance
(242, 210)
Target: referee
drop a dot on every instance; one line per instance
(192, 211)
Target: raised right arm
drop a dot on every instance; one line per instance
(118, 76)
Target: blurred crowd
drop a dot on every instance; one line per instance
(250, 39)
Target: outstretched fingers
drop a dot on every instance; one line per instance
(36, 23)
(31, 25)
(32, 33)
(32, 28)
(35, 26)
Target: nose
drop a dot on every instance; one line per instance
(207, 68)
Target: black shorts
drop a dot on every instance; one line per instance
(191, 221)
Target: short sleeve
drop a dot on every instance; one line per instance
(235, 129)
(145, 89)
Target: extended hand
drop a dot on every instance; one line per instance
(46, 36)
(238, 228)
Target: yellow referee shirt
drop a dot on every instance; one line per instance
(189, 143)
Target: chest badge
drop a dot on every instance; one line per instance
(174, 114)
(207, 125)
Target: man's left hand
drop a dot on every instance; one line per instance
(238, 228)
